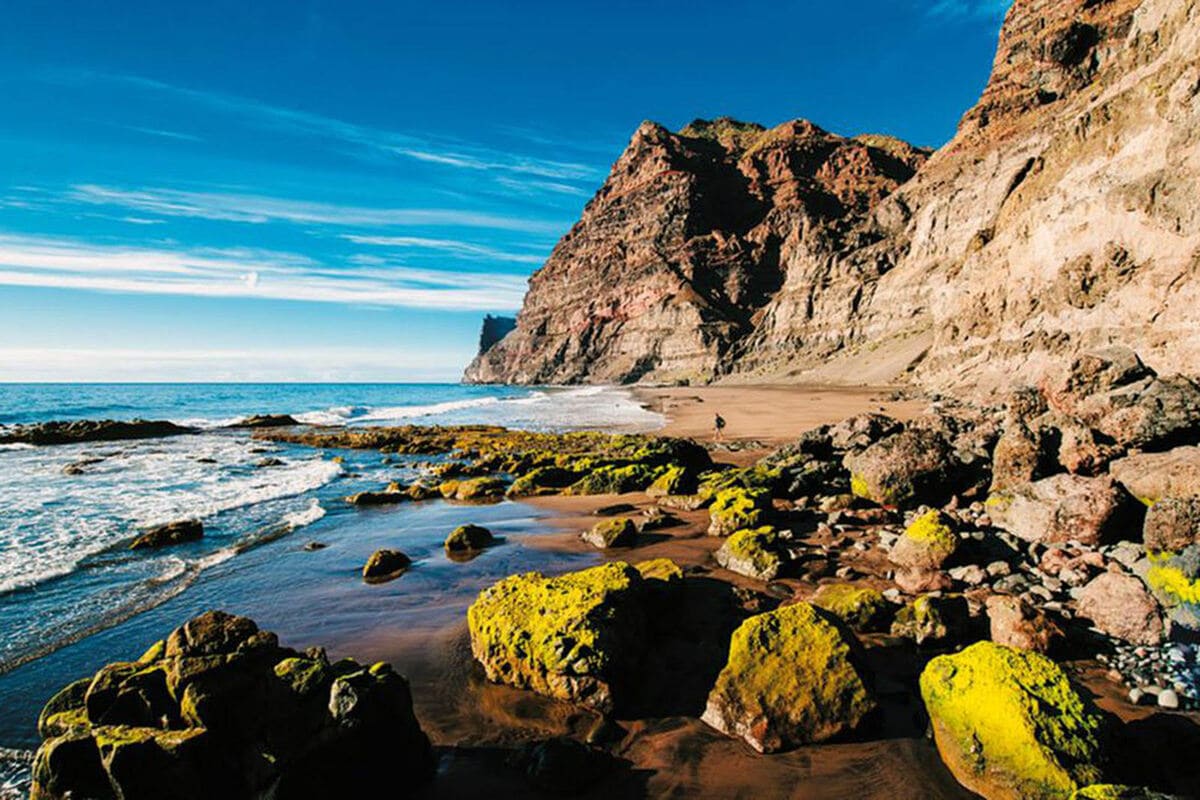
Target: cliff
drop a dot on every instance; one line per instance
(1061, 217)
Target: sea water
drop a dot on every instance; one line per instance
(73, 596)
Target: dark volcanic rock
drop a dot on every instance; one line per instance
(219, 709)
(90, 431)
(267, 421)
(185, 530)
(384, 565)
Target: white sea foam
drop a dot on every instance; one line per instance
(306, 516)
(51, 522)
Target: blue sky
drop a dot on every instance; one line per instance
(311, 190)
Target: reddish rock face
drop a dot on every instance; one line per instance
(1061, 218)
(676, 257)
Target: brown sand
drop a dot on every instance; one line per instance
(763, 417)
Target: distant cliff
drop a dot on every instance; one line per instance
(494, 329)
(1062, 216)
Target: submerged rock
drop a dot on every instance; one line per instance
(219, 709)
(384, 565)
(465, 538)
(755, 553)
(791, 679)
(178, 532)
(107, 430)
(576, 637)
(1009, 725)
(615, 532)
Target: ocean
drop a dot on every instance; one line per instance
(73, 596)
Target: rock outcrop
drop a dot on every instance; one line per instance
(1060, 218)
(219, 709)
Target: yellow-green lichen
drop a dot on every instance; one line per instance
(753, 552)
(738, 508)
(1171, 582)
(860, 607)
(660, 569)
(563, 637)
(1009, 724)
(859, 486)
(790, 680)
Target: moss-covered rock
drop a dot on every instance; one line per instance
(613, 479)
(475, 490)
(736, 508)
(791, 679)
(242, 718)
(615, 532)
(755, 553)
(660, 569)
(933, 620)
(466, 538)
(577, 637)
(1009, 724)
(1111, 791)
(541, 481)
(927, 544)
(860, 607)
(674, 480)
(384, 565)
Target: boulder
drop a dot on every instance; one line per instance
(1152, 476)
(1010, 726)
(736, 508)
(1166, 414)
(234, 716)
(577, 637)
(933, 619)
(1083, 451)
(1067, 507)
(384, 498)
(1120, 606)
(1172, 524)
(107, 430)
(564, 766)
(178, 532)
(862, 430)
(906, 469)
(1095, 383)
(383, 565)
(675, 480)
(1015, 623)
(793, 678)
(860, 607)
(927, 543)
(615, 532)
(1020, 456)
(466, 538)
(615, 479)
(753, 552)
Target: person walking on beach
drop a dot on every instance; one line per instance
(719, 425)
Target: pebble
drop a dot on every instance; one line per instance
(1168, 699)
(998, 569)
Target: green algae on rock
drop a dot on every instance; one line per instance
(485, 489)
(755, 553)
(577, 637)
(468, 537)
(737, 508)
(860, 607)
(615, 532)
(791, 679)
(1010, 726)
(237, 717)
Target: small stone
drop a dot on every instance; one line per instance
(1168, 699)
(998, 569)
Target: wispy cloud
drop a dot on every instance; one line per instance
(258, 209)
(369, 140)
(246, 273)
(468, 250)
(164, 134)
(968, 9)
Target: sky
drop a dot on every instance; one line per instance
(321, 190)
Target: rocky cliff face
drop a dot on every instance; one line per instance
(1063, 216)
